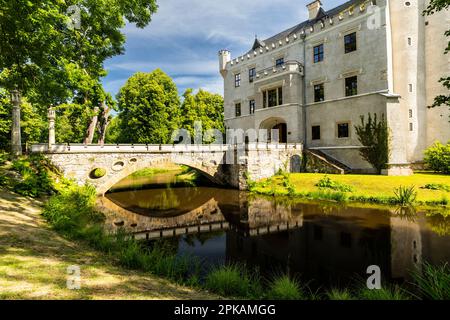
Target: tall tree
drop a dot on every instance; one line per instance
(149, 108)
(49, 58)
(436, 6)
(205, 107)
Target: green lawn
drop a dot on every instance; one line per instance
(363, 186)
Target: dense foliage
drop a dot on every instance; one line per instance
(437, 157)
(374, 136)
(150, 110)
(34, 127)
(203, 107)
(433, 7)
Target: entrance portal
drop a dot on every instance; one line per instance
(276, 129)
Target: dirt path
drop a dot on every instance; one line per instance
(34, 262)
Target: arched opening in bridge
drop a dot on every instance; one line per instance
(276, 129)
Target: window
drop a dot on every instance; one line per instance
(251, 106)
(351, 86)
(350, 42)
(280, 96)
(251, 75)
(279, 62)
(410, 87)
(273, 97)
(315, 133)
(237, 109)
(411, 127)
(318, 53)
(409, 41)
(237, 80)
(319, 92)
(410, 113)
(343, 130)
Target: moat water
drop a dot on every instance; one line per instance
(325, 244)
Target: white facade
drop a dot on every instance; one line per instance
(392, 69)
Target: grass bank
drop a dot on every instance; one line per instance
(34, 261)
(430, 189)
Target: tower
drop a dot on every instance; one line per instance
(224, 58)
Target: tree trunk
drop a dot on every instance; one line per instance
(103, 124)
(91, 129)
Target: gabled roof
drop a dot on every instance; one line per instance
(321, 15)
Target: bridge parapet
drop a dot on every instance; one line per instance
(155, 148)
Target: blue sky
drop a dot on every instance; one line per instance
(185, 35)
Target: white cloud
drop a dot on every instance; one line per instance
(210, 67)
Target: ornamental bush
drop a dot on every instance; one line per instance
(437, 157)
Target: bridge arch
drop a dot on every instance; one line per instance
(209, 168)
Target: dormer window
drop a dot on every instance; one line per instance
(279, 62)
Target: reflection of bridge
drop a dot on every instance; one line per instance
(223, 164)
(257, 217)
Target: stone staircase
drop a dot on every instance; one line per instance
(320, 162)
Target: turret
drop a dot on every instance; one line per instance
(224, 58)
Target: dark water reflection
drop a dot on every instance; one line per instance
(328, 243)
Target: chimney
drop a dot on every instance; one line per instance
(313, 9)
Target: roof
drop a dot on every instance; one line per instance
(321, 15)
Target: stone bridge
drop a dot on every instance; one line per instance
(229, 165)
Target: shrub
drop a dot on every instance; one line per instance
(437, 157)
(339, 294)
(35, 172)
(405, 195)
(233, 280)
(374, 135)
(385, 293)
(327, 183)
(433, 282)
(284, 288)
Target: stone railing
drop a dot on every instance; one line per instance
(154, 148)
(288, 66)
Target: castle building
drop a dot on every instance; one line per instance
(314, 81)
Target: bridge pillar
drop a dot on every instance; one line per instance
(51, 126)
(16, 139)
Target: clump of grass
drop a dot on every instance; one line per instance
(433, 282)
(437, 186)
(339, 294)
(285, 288)
(233, 280)
(328, 195)
(391, 292)
(327, 183)
(405, 195)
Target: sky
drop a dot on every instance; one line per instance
(184, 37)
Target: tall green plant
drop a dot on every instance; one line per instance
(373, 134)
